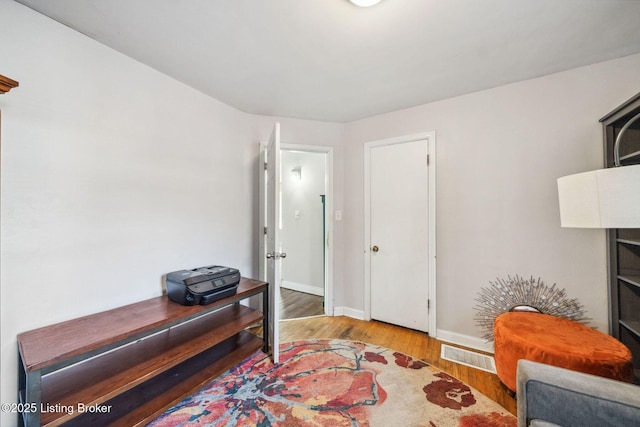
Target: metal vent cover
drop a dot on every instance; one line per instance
(468, 358)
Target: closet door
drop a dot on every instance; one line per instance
(399, 215)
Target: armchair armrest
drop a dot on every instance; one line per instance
(548, 395)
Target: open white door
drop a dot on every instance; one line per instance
(273, 254)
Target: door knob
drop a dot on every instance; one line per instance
(276, 255)
(375, 248)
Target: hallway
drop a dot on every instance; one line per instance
(294, 304)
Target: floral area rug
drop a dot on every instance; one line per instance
(336, 383)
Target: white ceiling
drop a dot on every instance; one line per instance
(332, 61)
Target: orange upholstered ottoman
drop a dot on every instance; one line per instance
(559, 342)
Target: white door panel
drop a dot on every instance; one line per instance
(273, 249)
(399, 235)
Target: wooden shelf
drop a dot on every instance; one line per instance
(151, 399)
(6, 84)
(632, 280)
(629, 242)
(140, 359)
(100, 379)
(631, 326)
(634, 155)
(60, 345)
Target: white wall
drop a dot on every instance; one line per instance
(113, 175)
(500, 152)
(302, 225)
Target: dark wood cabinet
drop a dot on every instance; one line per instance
(624, 244)
(128, 365)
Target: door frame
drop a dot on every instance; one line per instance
(431, 167)
(329, 203)
(328, 238)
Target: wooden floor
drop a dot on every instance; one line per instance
(294, 304)
(413, 343)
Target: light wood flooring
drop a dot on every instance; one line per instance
(294, 304)
(413, 343)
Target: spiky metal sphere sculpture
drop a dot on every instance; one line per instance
(517, 294)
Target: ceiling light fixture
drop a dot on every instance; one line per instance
(365, 3)
(296, 173)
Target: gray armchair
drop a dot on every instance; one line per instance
(551, 396)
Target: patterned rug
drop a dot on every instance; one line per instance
(336, 383)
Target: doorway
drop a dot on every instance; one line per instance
(318, 246)
(304, 227)
(400, 231)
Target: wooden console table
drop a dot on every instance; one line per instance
(128, 365)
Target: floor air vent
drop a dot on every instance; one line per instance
(468, 358)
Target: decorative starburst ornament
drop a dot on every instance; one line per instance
(518, 294)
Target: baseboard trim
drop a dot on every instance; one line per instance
(302, 287)
(349, 312)
(302, 318)
(464, 340)
(446, 336)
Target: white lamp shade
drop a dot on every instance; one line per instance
(604, 198)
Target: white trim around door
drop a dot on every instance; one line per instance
(328, 247)
(368, 147)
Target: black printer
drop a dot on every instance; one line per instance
(202, 285)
